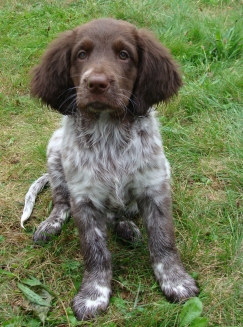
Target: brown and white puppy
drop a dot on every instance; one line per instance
(107, 159)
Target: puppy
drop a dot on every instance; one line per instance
(107, 160)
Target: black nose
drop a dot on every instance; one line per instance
(97, 83)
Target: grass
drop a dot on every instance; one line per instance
(203, 136)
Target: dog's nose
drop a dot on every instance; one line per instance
(97, 83)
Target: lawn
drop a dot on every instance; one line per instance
(202, 130)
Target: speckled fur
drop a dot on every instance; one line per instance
(108, 159)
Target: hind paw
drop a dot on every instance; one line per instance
(46, 231)
(128, 231)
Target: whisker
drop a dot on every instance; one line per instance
(130, 94)
(134, 104)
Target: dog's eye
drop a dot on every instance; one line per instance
(82, 54)
(123, 55)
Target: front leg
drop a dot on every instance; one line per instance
(155, 208)
(95, 290)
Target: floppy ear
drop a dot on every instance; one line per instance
(51, 80)
(158, 74)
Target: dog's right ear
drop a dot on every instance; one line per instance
(51, 81)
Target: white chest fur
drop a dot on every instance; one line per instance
(110, 161)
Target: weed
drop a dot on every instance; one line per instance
(228, 44)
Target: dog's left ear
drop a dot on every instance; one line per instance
(158, 74)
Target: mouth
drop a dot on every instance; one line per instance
(98, 106)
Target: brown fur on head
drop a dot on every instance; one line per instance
(51, 81)
(146, 77)
(158, 74)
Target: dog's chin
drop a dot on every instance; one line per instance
(98, 106)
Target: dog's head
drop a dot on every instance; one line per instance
(105, 64)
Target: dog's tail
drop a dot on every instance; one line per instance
(31, 195)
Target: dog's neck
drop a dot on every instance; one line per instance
(96, 130)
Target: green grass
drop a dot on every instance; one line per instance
(203, 137)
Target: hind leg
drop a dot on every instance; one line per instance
(60, 194)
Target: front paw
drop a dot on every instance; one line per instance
(176, 284)
(180, 290)
(90, 301)
(46, 231)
